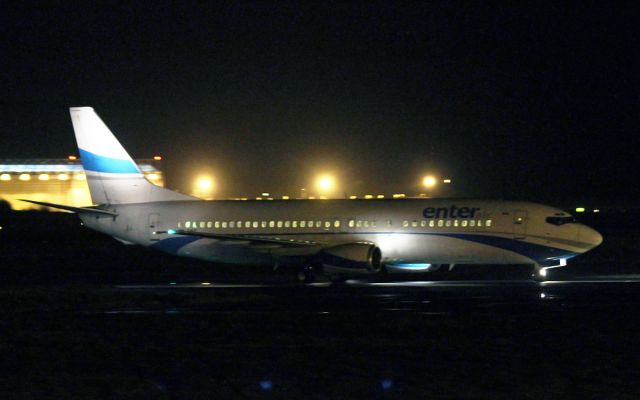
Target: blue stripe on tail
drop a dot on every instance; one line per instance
(94, 162)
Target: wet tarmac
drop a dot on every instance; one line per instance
(416, 339)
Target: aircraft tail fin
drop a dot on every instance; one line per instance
(112, 175)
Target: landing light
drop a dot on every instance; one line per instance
(429, 181)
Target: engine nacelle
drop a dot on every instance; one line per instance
(359, 258)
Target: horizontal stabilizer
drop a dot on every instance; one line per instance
(77, 210)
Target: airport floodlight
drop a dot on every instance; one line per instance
(325, 183)
(429, 181)
(203, 187)
(72, 158)
(579, 209)
(157, 158)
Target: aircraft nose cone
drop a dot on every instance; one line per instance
(590, 236)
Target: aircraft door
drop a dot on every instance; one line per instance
(519, 224)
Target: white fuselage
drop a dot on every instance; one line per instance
(409, 232)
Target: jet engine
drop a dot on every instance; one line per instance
(351, 258)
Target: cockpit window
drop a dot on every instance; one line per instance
(560, 220)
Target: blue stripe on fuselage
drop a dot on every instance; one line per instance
(534, 251)
(94, 162)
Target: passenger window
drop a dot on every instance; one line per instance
(272, 224)
(448, 223)
(287, 224)
(294, 224)
(303, 224)
(327, 224)
(389, 223)
(405, 224)
(209, 224)
(464, 223)
(201, 224)
(217, 224)
(263, 224)
(232, 224)
(414, 224)
(351, 223)
(440, 223)
(186, 224)
(224, 224)
(179, 224)
(488, 224)
(255, 224)
(432, 223)
(365, 224)
(336, 223)
(472, 223)
(479, 222)
(279, 224)
(373, 224)
(423, 223)
(247, 224)
(309, 224)
(456, 222)
(358, 224)
(318, 224)
(239, 224)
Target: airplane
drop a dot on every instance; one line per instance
(336, 238)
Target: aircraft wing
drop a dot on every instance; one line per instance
(77, 210)
(252, 240)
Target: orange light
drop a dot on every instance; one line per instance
(72, 158)
(157, 158)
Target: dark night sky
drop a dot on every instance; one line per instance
(539, 102)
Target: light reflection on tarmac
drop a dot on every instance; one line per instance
(419, 297)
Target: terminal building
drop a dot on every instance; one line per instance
(60, 181)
